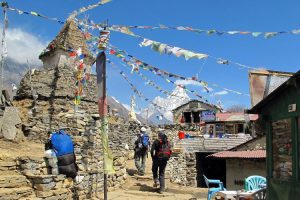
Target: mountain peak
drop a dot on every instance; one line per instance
(165, 115)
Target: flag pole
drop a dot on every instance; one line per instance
(102, 108)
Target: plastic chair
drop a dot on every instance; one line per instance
(255, 183)
(213, 190)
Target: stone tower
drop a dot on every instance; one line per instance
(49, 92)
(69, 37)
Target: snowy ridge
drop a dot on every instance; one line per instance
(164, 115)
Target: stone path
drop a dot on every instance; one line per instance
(141, 188)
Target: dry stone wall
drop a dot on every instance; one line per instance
(182, 169)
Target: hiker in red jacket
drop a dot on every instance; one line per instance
(160, 153)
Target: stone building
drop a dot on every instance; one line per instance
(189, 161)
(194, 111)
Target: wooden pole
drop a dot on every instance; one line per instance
(102, 107)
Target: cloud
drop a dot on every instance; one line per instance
(188, 82)
(223, 92)
(23, 46)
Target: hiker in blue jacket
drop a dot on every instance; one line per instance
(142, 144)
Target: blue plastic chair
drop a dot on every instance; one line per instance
(213, 190)
(255, 183)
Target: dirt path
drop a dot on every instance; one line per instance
(141, 187)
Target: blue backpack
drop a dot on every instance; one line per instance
(62, 143)
(145, 141)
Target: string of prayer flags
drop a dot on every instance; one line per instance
(174, 83)
(134, 61)
(167, 49)
(20, 12)
(162, 73)
(159, 73)
(137, 92)
(89, 7)
(103, 40)
(177, 51)
(150, 82)
(82, 75)
(266, 35)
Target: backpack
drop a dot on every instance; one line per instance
(164, 151)
(145, 142)
(62, 143)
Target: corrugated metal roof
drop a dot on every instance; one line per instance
(229, 117)
(263, 82)
(240, 154)
(199, 144)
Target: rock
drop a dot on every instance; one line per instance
(44, 187)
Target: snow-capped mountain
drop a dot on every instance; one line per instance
(164, 115)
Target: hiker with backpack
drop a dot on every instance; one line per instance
(61, 143)
(160, 153)
(142, 144)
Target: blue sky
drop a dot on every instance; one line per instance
(278, 53)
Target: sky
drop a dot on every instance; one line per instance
(28, 35)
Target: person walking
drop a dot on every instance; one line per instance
(142, 144)
(160, 153)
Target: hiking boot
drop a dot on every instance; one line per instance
(155, 184)
(161, 191)
(141, 173)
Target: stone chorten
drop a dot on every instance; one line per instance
(69, 37)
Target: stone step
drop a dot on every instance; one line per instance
(16, 193)
(145, 177)
(57, 194)
(13, 181)
(8, 167)
(46, 183)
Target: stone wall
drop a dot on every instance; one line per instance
(182, 169)
(84, 127)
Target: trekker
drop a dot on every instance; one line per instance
(160, 153)
(142, 145)
(63, 147)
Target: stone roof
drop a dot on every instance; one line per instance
(69, 37)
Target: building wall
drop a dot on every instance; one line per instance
(53, 59)
(177, 113)
(237, 170)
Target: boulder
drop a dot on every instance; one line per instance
(10, 120)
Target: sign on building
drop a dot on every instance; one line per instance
(208, 115)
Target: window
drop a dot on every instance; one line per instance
(187, 117)
(282, 149)
(240, 128)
